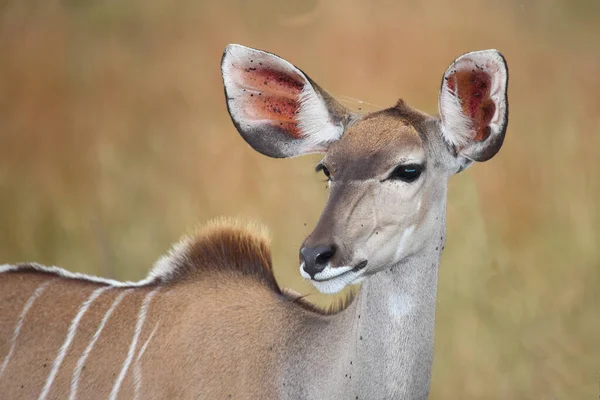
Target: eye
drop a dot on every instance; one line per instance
(323, 168)
(406, 173)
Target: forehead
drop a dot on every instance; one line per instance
(377, 142)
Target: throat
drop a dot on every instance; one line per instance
(394, 328)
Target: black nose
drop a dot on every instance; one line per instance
(316, 258)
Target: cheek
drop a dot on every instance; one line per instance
(398, 212)
(398, 204)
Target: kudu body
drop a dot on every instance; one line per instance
(211, 322)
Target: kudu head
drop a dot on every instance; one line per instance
(387, 170)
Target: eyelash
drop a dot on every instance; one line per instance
(406, 173)
(326, 172)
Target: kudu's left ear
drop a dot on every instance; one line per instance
(473, 104)
(277, 109)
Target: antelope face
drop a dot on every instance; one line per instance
(387, 170)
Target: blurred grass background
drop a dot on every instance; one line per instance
(115, 139)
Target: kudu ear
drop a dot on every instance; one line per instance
(473, 104)
(277, 109)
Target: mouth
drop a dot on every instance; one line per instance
(362, 265)
(334, 280)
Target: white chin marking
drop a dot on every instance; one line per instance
(329, 272)
(330, 287)
(337, 279)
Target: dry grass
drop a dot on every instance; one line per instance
(114, 139)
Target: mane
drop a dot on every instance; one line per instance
(222, 246)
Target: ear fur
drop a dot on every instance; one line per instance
(277, 108)
(473, 104)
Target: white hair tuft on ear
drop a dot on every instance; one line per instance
(315, 121)
(453, 117)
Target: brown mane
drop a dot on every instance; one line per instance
(223, 246)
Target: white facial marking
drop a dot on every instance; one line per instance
(137, 368)
(401, 249)
(70, 335)
(138, 328)
(13, 340)
(88, 349)
(399, 305)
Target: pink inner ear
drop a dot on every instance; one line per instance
(473, 89)
(269, 95)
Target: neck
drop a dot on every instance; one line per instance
(381, 346)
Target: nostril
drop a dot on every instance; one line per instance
(324, 257)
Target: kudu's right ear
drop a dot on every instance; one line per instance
(277, 109)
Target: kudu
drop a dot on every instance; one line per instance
(211, 322)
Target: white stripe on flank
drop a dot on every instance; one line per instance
(138, 328)
(15, 335)
(88, 349)
(70, 335)
(137, 368)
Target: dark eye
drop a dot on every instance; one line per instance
(323, 168)
(407, 173)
